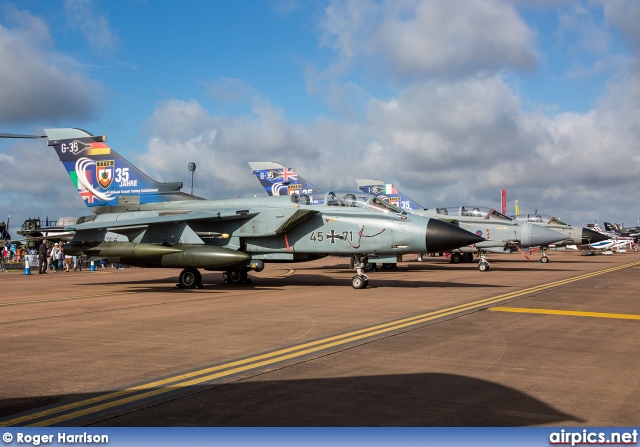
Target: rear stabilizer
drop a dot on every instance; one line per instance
(387, 192)
(103, 177)
(278, 180)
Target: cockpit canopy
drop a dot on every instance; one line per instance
(472, 211)
(539, 218)
(359, 200)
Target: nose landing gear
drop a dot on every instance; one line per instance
(360, 280)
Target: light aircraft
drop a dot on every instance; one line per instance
(574, 235)
(501, 233)
(168, 228)
(611, 240)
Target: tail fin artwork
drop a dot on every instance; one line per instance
(103, 177)
(387, 192)
(279, 180)
(613, 228)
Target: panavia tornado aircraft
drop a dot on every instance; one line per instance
(574, 235)
(502, 233)
(168, 228)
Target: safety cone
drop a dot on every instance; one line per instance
(27, 269)
(93, 267)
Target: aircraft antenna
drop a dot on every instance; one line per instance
(192, 168)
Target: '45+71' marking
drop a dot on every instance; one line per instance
(331, 236)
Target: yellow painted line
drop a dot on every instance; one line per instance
(289, 272)
(565, 312)
(169, 384)
(49, 300)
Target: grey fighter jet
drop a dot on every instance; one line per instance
(502, 233)
(168, 228)
(574, 235)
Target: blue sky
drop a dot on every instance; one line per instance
(450, 101)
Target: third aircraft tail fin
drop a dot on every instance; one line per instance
(387, 192)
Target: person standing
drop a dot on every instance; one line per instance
(60, 257)
(42, 257)
(68, 260)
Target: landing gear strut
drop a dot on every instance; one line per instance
(483, 265)
(544, 259)
(190, 279)
(360, 280)
(236, 277)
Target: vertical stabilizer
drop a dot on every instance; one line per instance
(278, 180)
(387, 192)
(102, 177)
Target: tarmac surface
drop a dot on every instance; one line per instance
(429, 344)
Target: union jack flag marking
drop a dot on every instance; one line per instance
(289, 174)
(87, 196)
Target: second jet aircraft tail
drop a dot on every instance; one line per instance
(278, 180)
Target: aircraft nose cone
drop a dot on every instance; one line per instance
(540, 235)
(442, 236)
(591, 237)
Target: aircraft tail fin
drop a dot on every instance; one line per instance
(278, 180)
(103, 177)
(387, 192)
(613, 228)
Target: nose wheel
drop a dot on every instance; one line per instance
(544, 259)
(483, 265)
(360, 280)
(190, 279)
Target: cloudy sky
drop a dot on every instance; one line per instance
(450, 101)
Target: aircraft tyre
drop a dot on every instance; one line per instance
(236, 277)
(456, 258)
(190, 279)
(545, 259)
(483, 266)
(369, 266)
(359, 282)
(467, 257)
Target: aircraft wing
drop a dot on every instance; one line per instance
(296, 219)
(163, 219)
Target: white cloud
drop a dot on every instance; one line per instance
(421, 38)
(82, 15)
(36, 82)
(625, 16)
(229, 90)
(442, 143)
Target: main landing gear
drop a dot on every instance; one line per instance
(236, 277)
(457, 258)
(360, 280)
(190, 279)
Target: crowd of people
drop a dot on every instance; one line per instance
(51, 257)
